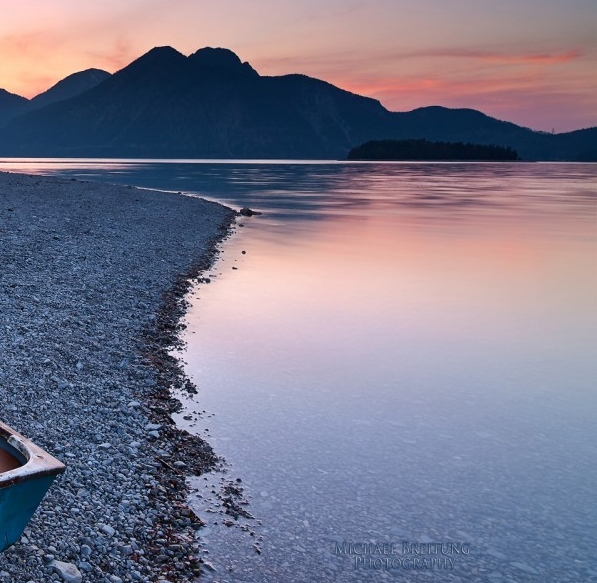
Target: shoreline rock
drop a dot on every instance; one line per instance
(92, 292)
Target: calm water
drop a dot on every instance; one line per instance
(395, 355)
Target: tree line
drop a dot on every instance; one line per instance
(426, 150)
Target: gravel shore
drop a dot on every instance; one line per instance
(93, 278)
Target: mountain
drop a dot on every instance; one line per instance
(70, 86)
(11, 105)
(468, 125)
(212, 105)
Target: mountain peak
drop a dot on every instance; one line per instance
(162, 51)
(216, 57)
(158, 63)
(159, 57)
(220, 58)
(71, 86)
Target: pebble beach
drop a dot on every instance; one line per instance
(93, 279)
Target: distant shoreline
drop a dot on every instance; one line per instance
(93, 284)
(421, 150)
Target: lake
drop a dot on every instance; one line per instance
(398, 363)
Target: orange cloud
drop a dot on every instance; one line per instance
(542, 59)
(498, 57)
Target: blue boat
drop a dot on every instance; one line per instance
(26, 474)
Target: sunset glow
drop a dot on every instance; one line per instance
(531, 62)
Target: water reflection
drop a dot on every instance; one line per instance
(312, 190)
(403, 369)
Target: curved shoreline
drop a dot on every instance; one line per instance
(93, 282)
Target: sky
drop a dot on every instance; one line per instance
(532, 62)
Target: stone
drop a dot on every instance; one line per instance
(67, 571)
(153, 426)
(85, 551)
(247, 212)
(107, 529)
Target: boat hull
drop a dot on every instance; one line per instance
(28, 474)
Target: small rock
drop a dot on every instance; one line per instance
(85, 551)
(107, 529)
(127, 550)
(67, 571)
(247, 212)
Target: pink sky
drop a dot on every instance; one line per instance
(532, 62)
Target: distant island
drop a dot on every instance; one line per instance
(422, 150)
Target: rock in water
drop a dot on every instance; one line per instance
(247, 212)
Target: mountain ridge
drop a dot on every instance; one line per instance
(210, 104)
(11, 105)
(70, 86)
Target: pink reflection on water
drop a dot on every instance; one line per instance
(343, 286)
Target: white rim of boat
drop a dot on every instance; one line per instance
(38, 462)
